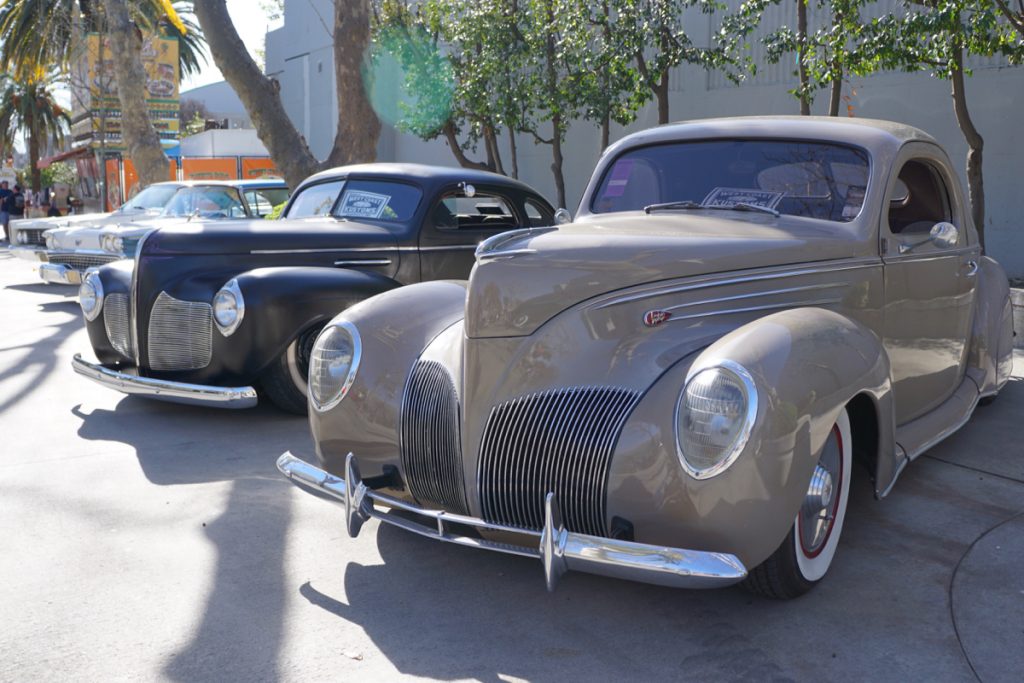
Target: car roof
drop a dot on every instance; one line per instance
(872, 134)
(242, 184)
(426, 173)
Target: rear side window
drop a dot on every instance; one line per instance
(481, 211)
(315, 200)
(262, 202)
(538, 214)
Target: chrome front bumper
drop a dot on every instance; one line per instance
(58, 274)
(28, 252)
(557, 548)
(162, 390)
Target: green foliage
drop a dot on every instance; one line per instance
(59, 172)
(275, 214)
(29, 107)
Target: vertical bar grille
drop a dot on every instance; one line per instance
(180, 334)
(431, 444)
(117, 324)
(557, 441)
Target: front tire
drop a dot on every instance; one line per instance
(285, 380)
(806, 554)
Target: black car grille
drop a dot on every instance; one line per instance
(180, 334)
(431, 444)
(117, 321)
(558, 441)
(81, 261)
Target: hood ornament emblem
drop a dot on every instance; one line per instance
(655, 318)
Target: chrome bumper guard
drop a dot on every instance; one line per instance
(162, 390)
(58, 274)
(28, 252)
(557, 548)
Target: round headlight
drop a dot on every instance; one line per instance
(112, 244)
(90, 295)
(333, 364)
(22, 237)
(714, 416)
(228, 308)
(51, 241)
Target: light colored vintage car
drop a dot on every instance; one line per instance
(71, 251)
(675, 388)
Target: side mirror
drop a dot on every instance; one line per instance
(562, 216)
(944, 235)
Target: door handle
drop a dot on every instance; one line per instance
(972, 268)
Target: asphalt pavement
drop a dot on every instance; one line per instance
(144, 541)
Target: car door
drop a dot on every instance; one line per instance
(929, 286)
(459, 218)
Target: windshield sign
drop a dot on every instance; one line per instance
(815, 180)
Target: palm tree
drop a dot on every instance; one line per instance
(29, 107)
(43, 33)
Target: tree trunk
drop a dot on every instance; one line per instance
(835, 96)
(661, 92)
(513, 153)
(557, 129)
(460, 156)
(141, 140)
(801, 36)
(556, 158)
(358, 125)
(260, 95)
(33, 160)
(975, 145)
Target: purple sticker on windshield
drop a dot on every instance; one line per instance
(619, 178)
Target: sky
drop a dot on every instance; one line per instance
(252, 25)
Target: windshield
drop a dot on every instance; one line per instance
(153, 198)
(815, 180)
(359, 200)
(206, 202)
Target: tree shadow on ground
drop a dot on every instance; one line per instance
(241, 630)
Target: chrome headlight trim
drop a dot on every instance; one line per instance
(112, 244)
(746, 382)
(91, 289)
(22, 237)
(50, 241)
(228, 295)
(350, 378)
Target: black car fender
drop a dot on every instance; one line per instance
(282, 302)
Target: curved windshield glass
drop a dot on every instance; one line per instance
(206, 202)
(153, 198)
(816, 180)
(315, 200)
(378, 200)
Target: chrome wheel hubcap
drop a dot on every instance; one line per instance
(818, 512)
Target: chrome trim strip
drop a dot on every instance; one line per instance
(949, 431)
(162, 390)
(752, 309)
(558, 549)
(133, 302)
(714, 281)
(756, 295)
(364, 262)
(449, 247)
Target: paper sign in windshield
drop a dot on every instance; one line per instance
(359, 204)
(731, 196)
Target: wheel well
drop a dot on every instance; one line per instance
(864, 425)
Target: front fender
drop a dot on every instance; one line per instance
(280, 303)
(807, 364)
(991, 352)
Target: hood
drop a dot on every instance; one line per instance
(256, 236)
(57, 221)
(525, 282)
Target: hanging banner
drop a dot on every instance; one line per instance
(259, 167)
(210, 169)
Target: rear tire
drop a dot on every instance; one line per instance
(806, 554)
(285, 380)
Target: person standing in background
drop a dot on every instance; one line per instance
(5, 216)
(16, 204)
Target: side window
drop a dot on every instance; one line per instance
(538, 214)
(919, 200)
(262, 202)
(456, 211)
(315, 200)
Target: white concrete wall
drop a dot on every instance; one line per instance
(997, 100)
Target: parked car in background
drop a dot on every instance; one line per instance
(675, 388)
(26, 235)
(70, 251)
(208, 311)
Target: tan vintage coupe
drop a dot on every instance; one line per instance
(675, 387)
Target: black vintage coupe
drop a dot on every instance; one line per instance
(207, 313)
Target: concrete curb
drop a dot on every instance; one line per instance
(1017, 304)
